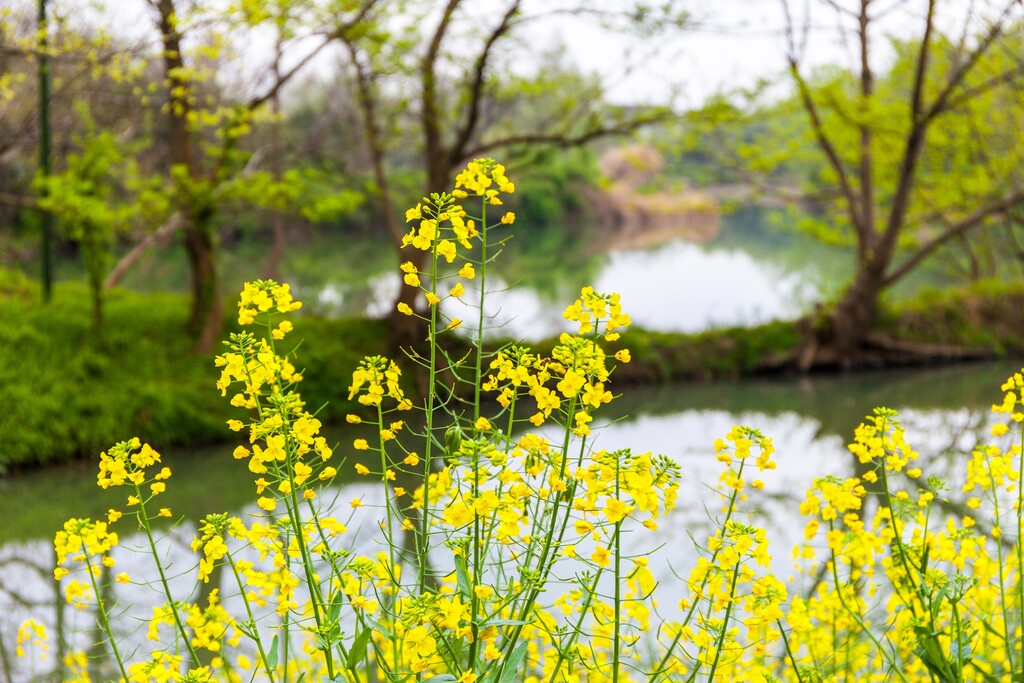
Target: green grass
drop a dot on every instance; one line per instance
(68, 394)
(986, 314)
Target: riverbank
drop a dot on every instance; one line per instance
(69, 394)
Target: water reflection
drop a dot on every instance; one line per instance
(945, 413)
(677, 286)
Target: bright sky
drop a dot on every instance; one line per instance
(733, 49)
(736, 42)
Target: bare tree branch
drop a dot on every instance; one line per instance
(282, 79)
(912, 148)
(567, 140)
(19, 201)
(339, 32)
(828, 148)
(954, 229)
(121, 268)
(941, 102)
(477, 86)
(429, 113)
(374, 141)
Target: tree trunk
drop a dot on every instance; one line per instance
(205, 321)
(853, 317)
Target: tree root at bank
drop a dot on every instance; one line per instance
(879, 350)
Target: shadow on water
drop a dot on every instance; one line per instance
(837, 402)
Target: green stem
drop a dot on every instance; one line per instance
(1002, 575)
(474, 601)
(730, 509)
(104, 619)
(618, 584)
(577, 629)
(315, 594)
(144, 520)
(725, 623)
(292, 502)
(423, 547)
(864, 628)
(387, 489)
(479, 350)
(252, 618)
(789, 652)
(1020, 550)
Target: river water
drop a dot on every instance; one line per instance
(675, 286)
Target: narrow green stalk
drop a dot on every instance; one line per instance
(292, 503)
(901, 550)
(958, 643)
(387, 488)
(725, 623)
(104, 619)
(477, 380)
(429, 441)
(864, 628)
(577, 629)
(618, 584)
(144, 520)
(1020, 549)
(315, 594)
(730, 509)
(252, 617)
(479, 346)
(789, 651)
(1007, 634)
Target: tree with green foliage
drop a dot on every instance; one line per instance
(97, 196)
(916, 159)
(205, 162)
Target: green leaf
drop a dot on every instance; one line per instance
(462, 576)
(358, 650)
(272, 655)
(441, 678)
(511, 667)
(335, 610)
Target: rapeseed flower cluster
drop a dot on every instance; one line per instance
(500, 527)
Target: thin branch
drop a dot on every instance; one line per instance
(974, 219)
(117, 273)
(340, 32)
(564, 140)
(921, 69)
(283, 79)
(429, 114)
(374, 142)
(829, 149)
(913, 147)
(965, 95)
(941, 103)
(19, 201)
(824, 142)
(477, 86)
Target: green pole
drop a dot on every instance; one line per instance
(44, 150)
